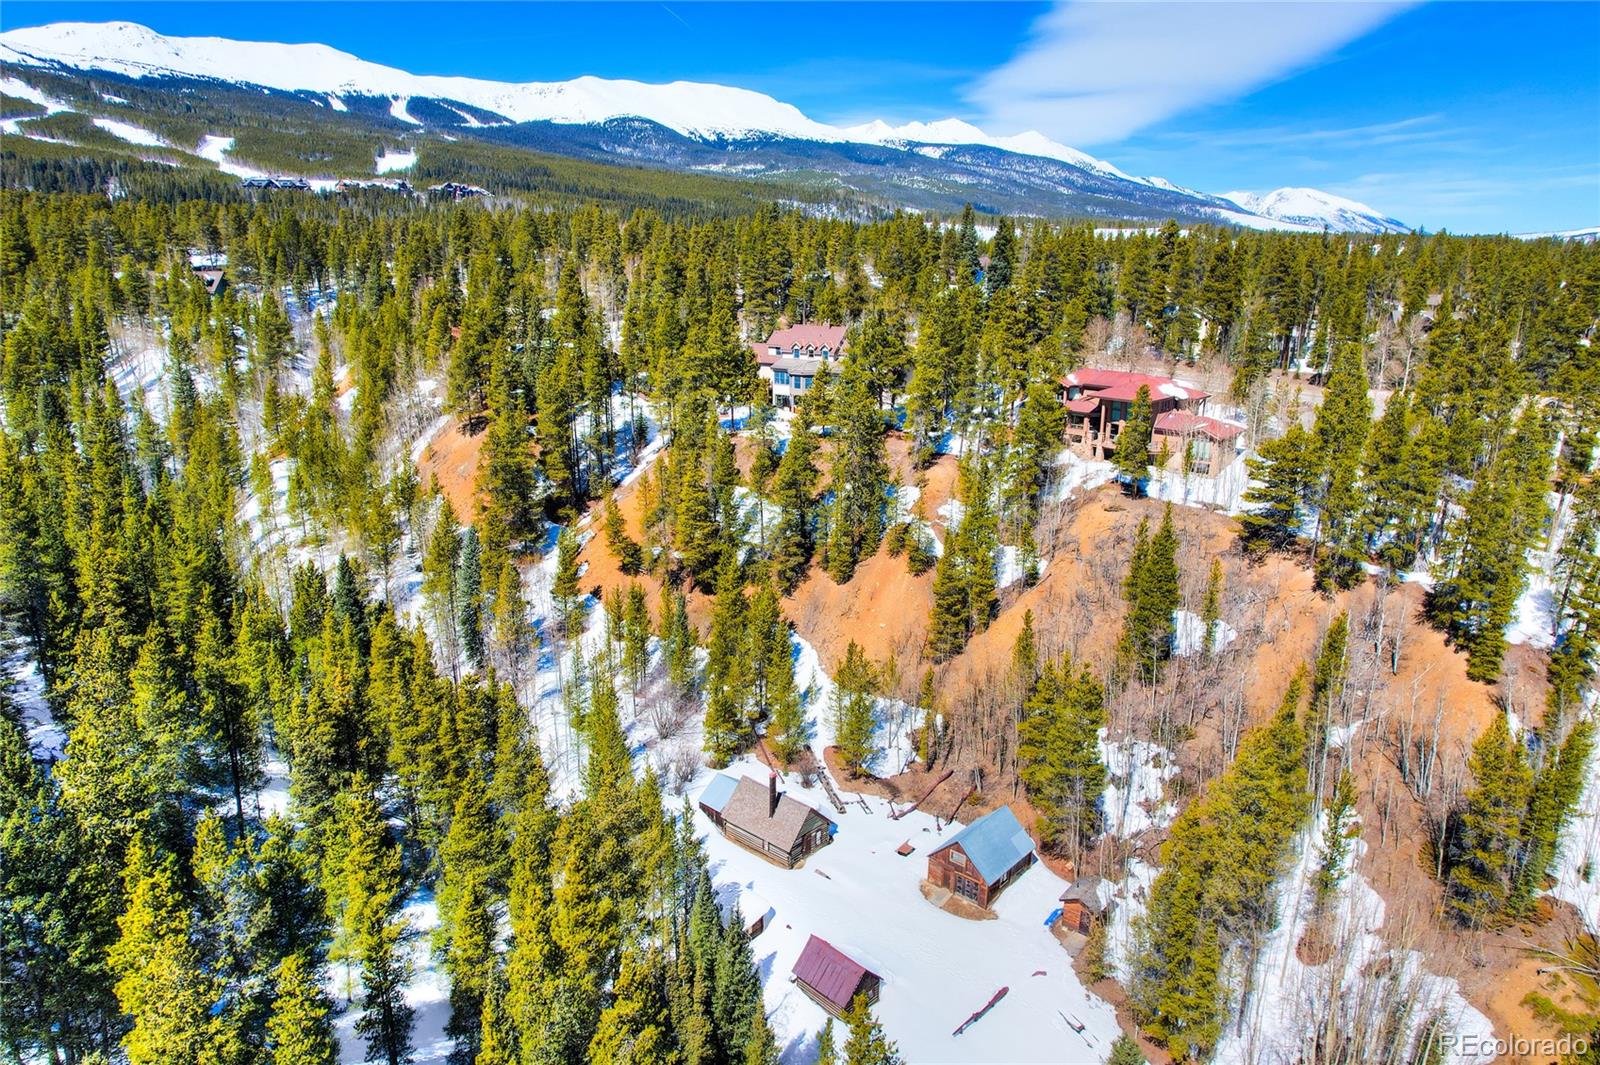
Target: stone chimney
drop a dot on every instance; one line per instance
(772, 793)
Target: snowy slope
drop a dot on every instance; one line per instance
(1316, 209)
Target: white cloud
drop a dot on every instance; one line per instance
(1097, 72)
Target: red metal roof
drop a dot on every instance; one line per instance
(809, 335)
(829, 973)
(1083, 405)
(1124, 385)
(1181, 423)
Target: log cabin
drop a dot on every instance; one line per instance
(980, 860)
(775, 826)
(831, 979)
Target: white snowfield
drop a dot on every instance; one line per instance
(130, 133)
(861, 896)
(694, 109)
(1313, 208)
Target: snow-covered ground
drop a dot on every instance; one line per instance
(428, 993)
(1578, 865)
(46, 738)
(937, 969)
(1137, 772)
(391, 161)
(1189, 635)
(1292, 996)
(1223, 492)
(130, 133)
(217, 150)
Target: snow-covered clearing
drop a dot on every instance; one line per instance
(23, 91)
(862, 897)
(216, 149)
(397, 109)
(391, 161)
(337, 104)
(130, 133)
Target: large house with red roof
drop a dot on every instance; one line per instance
(792, 357)
(1098, 403)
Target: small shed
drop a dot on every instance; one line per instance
(831, 979)
(980, 860)
(765, 820)
(755, 912)
(1084, 903)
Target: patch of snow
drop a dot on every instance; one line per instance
(397, 109)
(428, 993)
(1011, 569)
(130, 133)
(1535, 621)
(1189, 635)
(46, 739)
(23, 91)
(336, 103)
(390, 161)
(216, 149)
(1137, 772)
(1578, 863)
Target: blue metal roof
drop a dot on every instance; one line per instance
(718, 792)
(994, 843)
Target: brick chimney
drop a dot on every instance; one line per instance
(772, 793)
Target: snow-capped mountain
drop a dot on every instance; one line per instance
(1316, 209)
(680, 125)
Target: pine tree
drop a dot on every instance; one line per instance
(1125, 1051)
(1132, 456)
(727, 669)
(826, 1053)
(854, 710)
(1482, 852)
(300, 1030)
(375, 930)
(867, 1044)
(1153, 598)
(1286, 471)
(161, 983)
(1059, 756)
(1342, 426)
(860, 475)
(1211, 609)
(469, 597)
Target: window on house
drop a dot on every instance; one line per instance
(780, 377)
(957, 858)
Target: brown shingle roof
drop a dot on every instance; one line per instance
(747, 808)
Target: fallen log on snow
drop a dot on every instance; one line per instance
(987, 1006)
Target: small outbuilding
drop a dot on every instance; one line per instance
(1084, 903)
(980, 860)
(831, 979)
(772, 824)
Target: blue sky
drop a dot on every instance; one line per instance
(1467, 116)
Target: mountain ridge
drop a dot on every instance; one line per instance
(771, 136)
